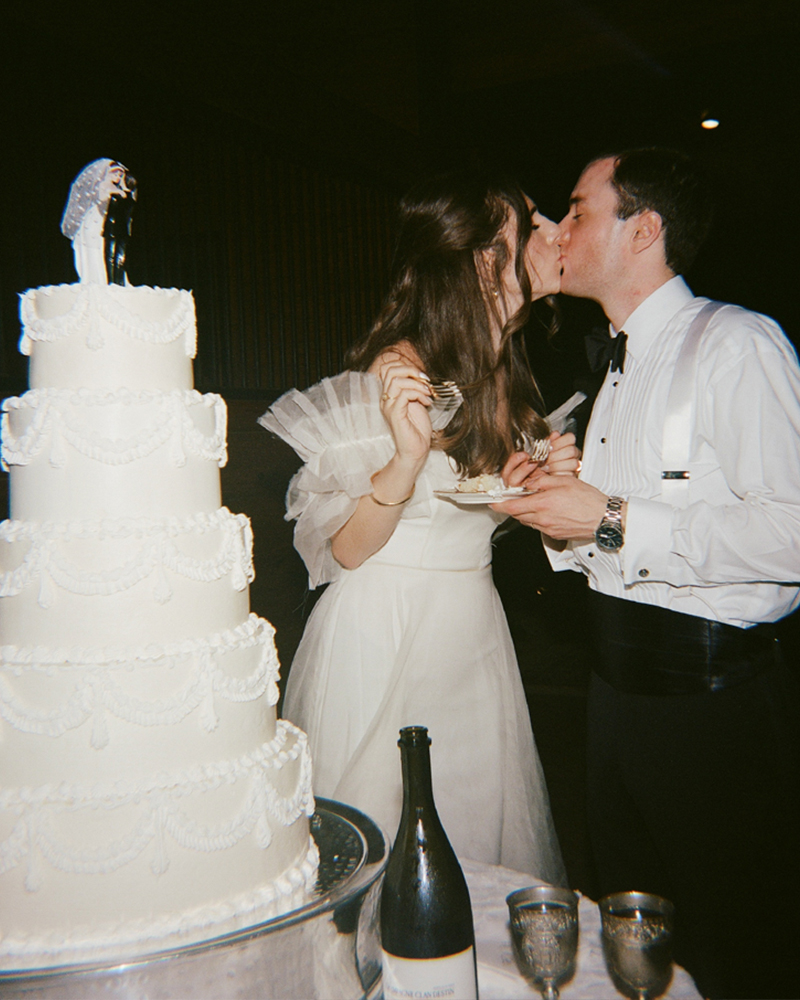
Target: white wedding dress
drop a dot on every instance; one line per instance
(415, 636)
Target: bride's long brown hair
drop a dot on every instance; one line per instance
(443, 287)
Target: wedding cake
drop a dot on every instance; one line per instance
(148, 793)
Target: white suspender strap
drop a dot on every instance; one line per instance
(677, 440)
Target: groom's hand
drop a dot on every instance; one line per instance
(563, 508)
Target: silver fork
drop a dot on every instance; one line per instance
(540, 449)
(446, 393)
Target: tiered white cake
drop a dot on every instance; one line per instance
(146, 787)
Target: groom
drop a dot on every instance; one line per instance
(686, 521)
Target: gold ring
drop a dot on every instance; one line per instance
(580, 466)
(384, 397)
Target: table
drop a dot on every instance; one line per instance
(498, 976)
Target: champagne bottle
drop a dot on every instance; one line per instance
(427, 937)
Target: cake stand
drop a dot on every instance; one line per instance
(329, 948)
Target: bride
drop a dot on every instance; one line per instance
(411, 630)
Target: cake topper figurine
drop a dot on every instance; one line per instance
(98, 221)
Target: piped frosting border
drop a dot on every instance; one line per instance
(96, 692)
(280, 895)
(156, 551)
(34, 838)
(54, 421)
(108, 303)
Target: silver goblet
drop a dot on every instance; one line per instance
(544, 928)
(637, 942)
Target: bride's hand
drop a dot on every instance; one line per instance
(404, 403)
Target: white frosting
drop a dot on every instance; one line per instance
(82, 452)
(184, 839)
(100, 700)
(112, 939)
(167, 578)
(147, 792)
(161, 799)
(108, 337)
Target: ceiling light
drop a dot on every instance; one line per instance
(709, 121)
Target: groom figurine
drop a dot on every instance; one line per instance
(686, 521)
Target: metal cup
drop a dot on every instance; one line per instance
(544, 928)
(637, 942)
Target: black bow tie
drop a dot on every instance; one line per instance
(600, 349)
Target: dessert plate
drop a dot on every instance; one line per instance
(490, 496)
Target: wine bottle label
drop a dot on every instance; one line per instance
(430, 978)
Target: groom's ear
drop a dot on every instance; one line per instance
(646, 230)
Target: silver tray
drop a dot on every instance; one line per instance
(329, 948)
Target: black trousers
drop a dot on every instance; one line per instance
(695, 797)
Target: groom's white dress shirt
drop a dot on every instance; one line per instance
(733, 554)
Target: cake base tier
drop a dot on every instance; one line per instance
(330, 947)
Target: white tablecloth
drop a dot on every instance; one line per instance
(498, 976)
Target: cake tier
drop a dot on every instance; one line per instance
(110, 711)
(81, 453)
(124, 580)
(108, 863)
(108, 336)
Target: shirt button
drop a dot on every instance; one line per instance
(591, 555)
(644, 572)
(602, 440)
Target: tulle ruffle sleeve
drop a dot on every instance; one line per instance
(338, 430)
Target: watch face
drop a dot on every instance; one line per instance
(609, 536)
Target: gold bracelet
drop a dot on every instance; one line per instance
(393, 503)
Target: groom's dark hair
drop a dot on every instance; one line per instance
(669, 182)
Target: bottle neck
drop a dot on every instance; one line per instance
(416, 764)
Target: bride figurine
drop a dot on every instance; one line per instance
(97, 219)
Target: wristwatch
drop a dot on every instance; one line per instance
(609, 535)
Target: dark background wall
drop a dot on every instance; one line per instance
(285, 251)
(271, 144)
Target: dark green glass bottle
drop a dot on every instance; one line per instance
(427, 934)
